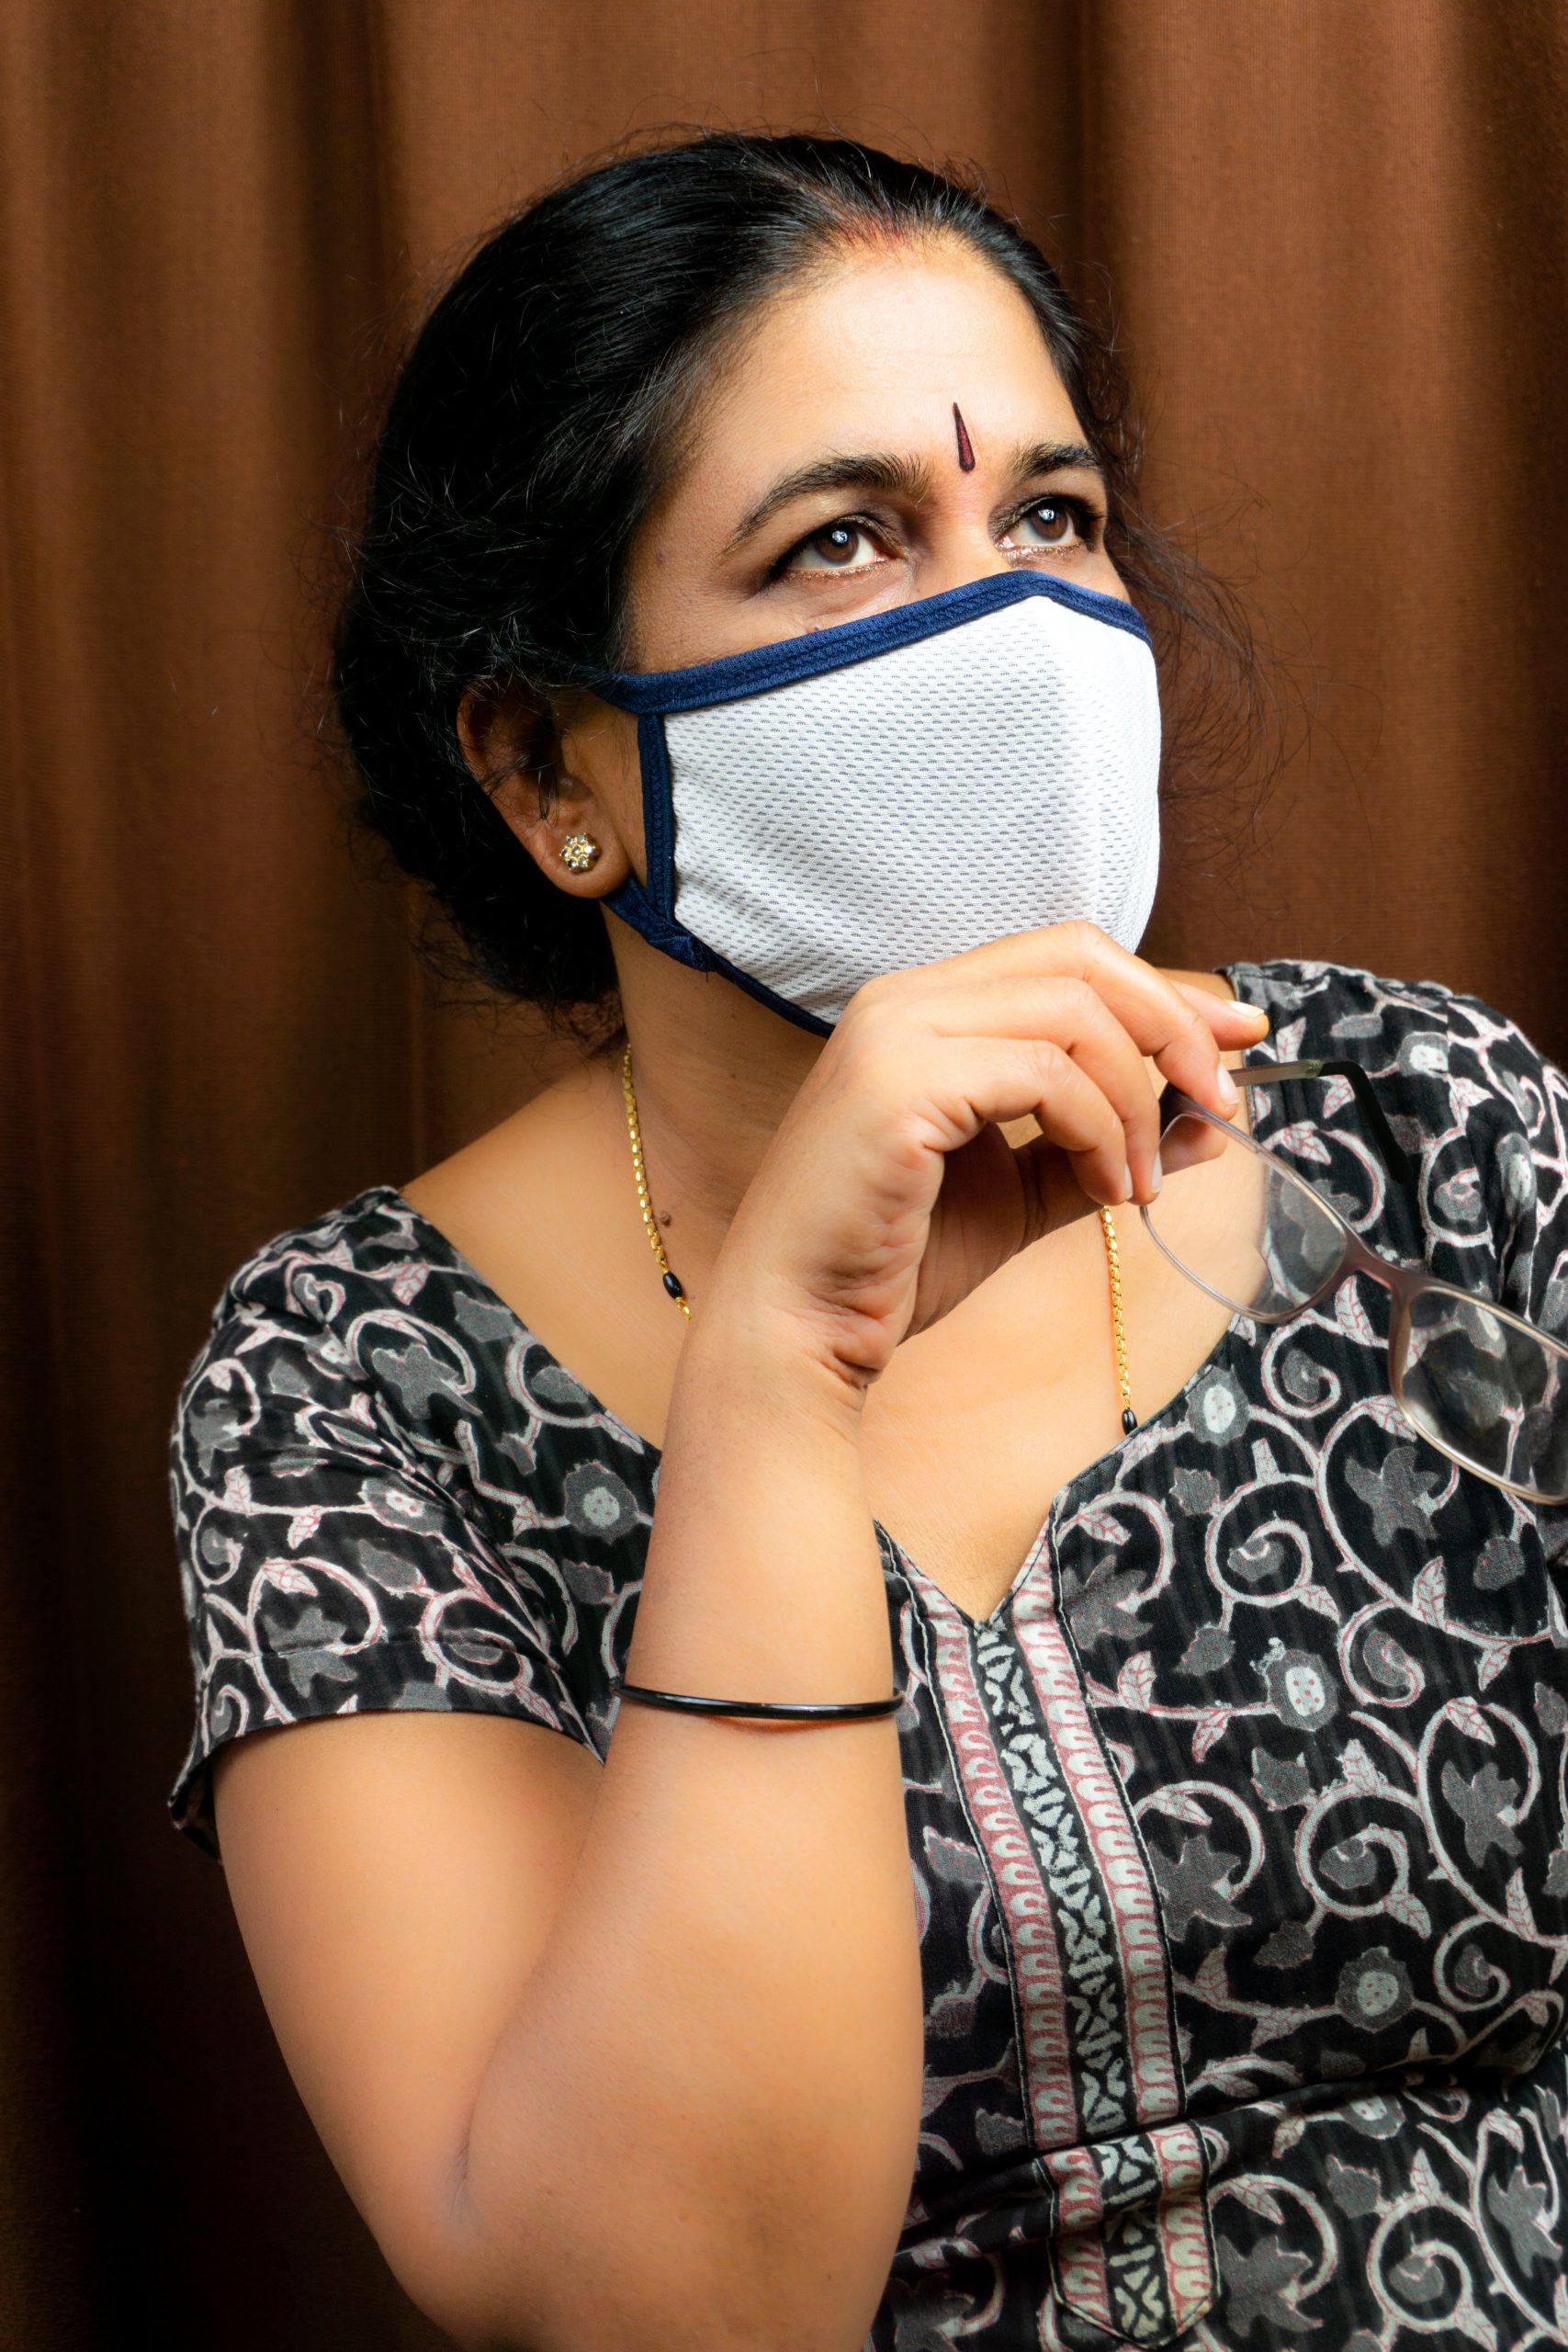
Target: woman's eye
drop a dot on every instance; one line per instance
(843, 547)
(1050, 522)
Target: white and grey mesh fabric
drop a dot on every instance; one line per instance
(893, 790)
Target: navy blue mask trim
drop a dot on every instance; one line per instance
(738, 675)
(654, 695)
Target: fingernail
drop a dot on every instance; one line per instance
(1157, 1175)
(1126, 1191)
(1258, 1013)
(1225, 1089)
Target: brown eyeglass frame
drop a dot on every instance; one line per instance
(1406, 1283)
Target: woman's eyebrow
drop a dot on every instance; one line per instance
(896, 477)
(1032, 457)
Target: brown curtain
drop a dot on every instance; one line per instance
(1336, 235)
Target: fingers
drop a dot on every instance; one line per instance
(1073, 1017)
(1174, 1024)
(1225, 1010)
(970, 1080)
(1236, 1025)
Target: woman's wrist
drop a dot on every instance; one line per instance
(745, 1341)
(763, 1579)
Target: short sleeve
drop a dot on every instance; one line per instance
(1514, 1104)
(325, 1568)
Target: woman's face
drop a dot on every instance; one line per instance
(829, 476)
(892, 428)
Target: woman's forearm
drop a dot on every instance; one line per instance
(700, 2128)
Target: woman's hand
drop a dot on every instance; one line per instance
(889, 1192)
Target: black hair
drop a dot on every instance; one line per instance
(530, 428)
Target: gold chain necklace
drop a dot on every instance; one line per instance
(672, 1281)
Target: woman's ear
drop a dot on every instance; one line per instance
(562, 787)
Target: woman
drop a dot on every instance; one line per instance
(745, 645)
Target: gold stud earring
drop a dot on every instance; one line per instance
(579, 851)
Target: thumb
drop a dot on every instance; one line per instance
(1226, 1015)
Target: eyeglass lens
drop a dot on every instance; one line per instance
(1259, 1238)
(1499, 1396)
(1249, 1231)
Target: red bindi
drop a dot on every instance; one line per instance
(965, 446)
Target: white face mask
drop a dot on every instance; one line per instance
(892, 790)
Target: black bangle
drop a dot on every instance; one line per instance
(684, 1703)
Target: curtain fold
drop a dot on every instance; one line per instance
(1335, 238)
(1338, 237)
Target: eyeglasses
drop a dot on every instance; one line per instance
(1485, 1386)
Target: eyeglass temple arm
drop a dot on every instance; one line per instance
(1397, 1159)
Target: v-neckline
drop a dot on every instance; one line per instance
(1264, 1114)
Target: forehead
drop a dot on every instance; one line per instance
(871, 352)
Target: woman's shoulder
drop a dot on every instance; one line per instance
(342, 1281)
(1418, 1030)
(1350, 1002)
(366, 1327)
(1480, 1107)
(308, 1272)
(385, 1497)
(361, 1329)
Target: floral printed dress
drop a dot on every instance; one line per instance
(1239, 1828)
